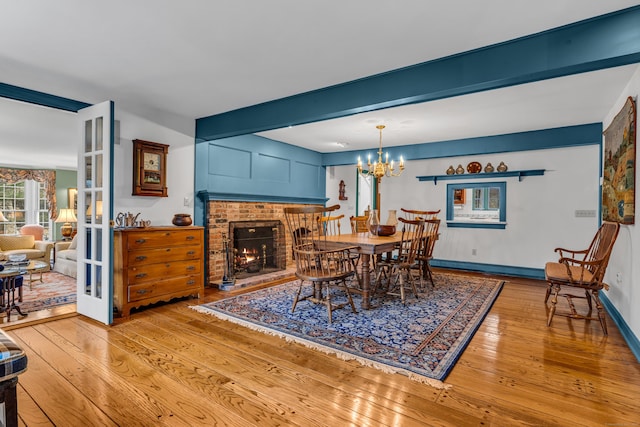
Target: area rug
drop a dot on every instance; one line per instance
(422, 339)
(54, 290)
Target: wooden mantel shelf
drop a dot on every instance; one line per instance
(519, 174)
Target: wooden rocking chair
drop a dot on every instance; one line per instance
(325, 269)
(582, 269)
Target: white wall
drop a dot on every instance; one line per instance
(180, 169)
(625, 293)
(540, 209)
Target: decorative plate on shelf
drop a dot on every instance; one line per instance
(474, 167)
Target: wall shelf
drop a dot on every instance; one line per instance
(519, 174)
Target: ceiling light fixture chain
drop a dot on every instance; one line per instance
(379, 168)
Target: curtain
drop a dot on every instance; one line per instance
(11, 176)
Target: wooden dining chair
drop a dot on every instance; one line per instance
(414, 214)
(393, 275)
(330, 226)
(359, 224)
(326, 269)
(583, 269)
(425, 252)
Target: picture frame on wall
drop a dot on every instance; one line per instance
(149, 168)
(72, 199)
(619, 172)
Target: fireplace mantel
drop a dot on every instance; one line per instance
(207, 196)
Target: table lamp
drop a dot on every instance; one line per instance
(66, 216)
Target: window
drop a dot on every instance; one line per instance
(477, 205)
(24, 202)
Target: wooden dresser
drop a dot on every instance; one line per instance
(156, 264)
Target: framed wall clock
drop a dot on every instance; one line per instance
(149, 168)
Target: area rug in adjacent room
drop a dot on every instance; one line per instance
(423, 339)
(54, 290)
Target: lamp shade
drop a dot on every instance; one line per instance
(66, 215)
(2, 218)
(98, 209)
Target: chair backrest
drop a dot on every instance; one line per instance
(330, 225)
(412, 233)
(35, 230)
(304, 224)
(359, 224)
(600, 249)
(431, 227)
(313, 261)
(414, 214)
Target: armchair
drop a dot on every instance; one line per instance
(583, 269)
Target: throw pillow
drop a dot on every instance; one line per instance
(74, 242)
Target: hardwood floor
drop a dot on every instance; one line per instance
(169, 365)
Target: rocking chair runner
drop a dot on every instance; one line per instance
(582, 269)
(325, 269)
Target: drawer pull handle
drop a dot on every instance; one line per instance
(190, 237)
(141, 257)
(141, 275)
(191, 282)
(141, 241)
(191, 268)
(191, 253)
(142, 291)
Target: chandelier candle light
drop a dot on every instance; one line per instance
(379, 169)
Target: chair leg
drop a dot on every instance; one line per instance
(346, 289)
(546, 297)
(328, 303)
(295, 300)
(586, 293)
(554, 301)
(601, 316)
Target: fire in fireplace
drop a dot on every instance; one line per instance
(257, 247)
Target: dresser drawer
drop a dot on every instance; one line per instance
(174, 253)
(159, 271)
(183, 284)
(162, 239)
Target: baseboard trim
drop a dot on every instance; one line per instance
(625, 330)
(530, 273)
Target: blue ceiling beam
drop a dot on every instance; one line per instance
(40, 98)
(602, 42)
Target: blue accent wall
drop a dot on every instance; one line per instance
(253, 168)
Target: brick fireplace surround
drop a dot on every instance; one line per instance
(220, 213)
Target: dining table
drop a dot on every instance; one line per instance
(368, 245)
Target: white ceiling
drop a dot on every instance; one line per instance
(200, 57)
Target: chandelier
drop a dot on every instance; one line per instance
(379, 169)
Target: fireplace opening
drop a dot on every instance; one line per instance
(257, 247)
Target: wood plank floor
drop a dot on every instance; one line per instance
(169, 365)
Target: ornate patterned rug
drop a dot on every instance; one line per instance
(422, 340)
(55, 289)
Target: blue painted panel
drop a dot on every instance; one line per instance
(603, 42)
(271, 168)
(251, 167)
(230, 162)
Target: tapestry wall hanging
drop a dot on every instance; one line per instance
(618, 187)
